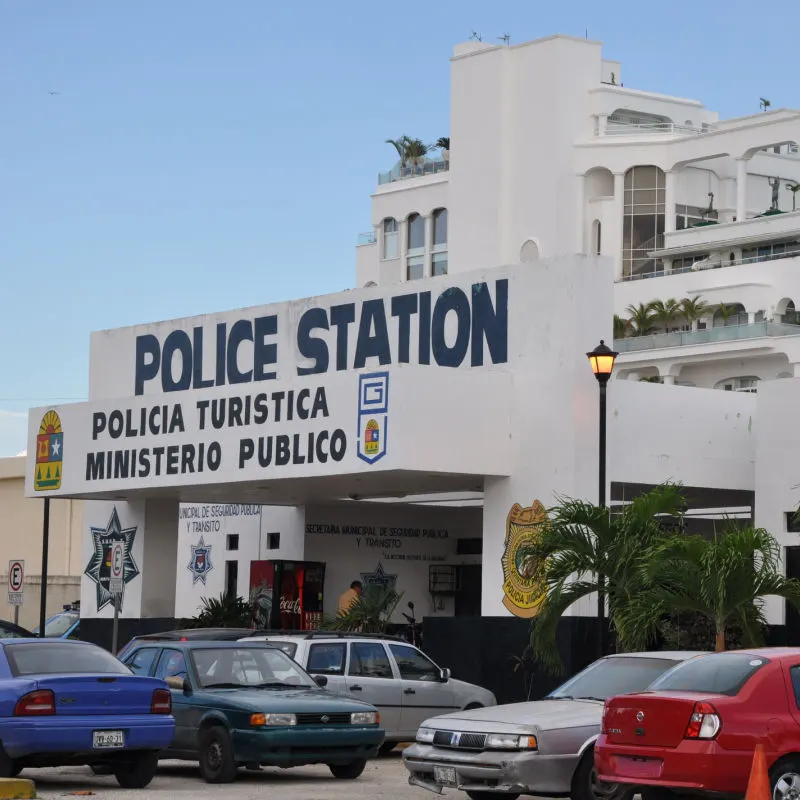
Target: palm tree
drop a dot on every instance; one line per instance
(582, 541)
(726, 312)
(794, 188)
(694, 308)
(723, 578)
(621, 326)
(665, 311)
(371, 613)
(401, 145)
(416, 150)
(443, 143)
(640, 319)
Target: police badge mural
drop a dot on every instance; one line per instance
(200, 563)
(524, 584)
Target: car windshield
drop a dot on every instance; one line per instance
(252, 667)
(611, 676)
(59, 624)
(61, 658)
(723, 673)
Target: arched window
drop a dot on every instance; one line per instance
(597, 230)
(416, 247)
(390, 249)
(745, 383)
(643, 220)
(439, 255)
(529, 252)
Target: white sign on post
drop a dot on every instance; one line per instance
(117, 557)
(16, 581)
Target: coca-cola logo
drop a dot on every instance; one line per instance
(289, 606)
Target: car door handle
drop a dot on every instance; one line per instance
(409, 691)
(356, 688)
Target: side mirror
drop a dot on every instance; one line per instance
(321, 680)
(178, 683)
(444, 675)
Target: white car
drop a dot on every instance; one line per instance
(385, 671)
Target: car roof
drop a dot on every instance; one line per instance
(198, 633)
(206, 644)
(765, 652)
(329, 635)
(670, 655)
(46, 640)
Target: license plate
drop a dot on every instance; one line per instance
(445, 776)
(102, 740)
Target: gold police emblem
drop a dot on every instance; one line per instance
(524, 583)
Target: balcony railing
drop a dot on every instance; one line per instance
(789, 253)
(721, 333)
(653, 128)
(398, 173)
(366, 238)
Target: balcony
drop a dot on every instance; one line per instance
(366, 238)
(670, 129)
(721, 333)
(427, 167)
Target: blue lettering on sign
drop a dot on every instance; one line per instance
(324, 338)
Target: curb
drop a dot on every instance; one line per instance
(16, 789)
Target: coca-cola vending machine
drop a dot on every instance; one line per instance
(287, 595)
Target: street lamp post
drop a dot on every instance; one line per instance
(602, 363)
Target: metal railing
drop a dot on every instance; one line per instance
(634, 129)
(398, 173)
(792, 253)
(367, 238)
(721, 333)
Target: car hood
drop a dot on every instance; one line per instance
(463, 687)
(540, 715)
(285, 701)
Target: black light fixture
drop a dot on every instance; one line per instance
(602, 360)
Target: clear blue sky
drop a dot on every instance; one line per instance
(198, 156)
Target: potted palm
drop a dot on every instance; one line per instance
(401, 145)
(416, 150)
(443, 143)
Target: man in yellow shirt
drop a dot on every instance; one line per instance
(350, 597)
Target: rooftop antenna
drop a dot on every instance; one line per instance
(505, 38)
(476, 37)
(587, 33)
(764, 104)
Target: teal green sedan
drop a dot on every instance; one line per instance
(247, 704)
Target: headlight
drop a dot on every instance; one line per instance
(280, 720)
(365, 718)
(507, 741)
(425, 735)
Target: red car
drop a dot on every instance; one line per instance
(696, 727)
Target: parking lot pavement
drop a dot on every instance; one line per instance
(383, 779)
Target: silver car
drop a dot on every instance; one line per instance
(385, 671)
(543, 748)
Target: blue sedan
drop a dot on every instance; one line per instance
(66, 703)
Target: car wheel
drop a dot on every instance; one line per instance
(472, 705)
(587, 786)
(784, 778)
(8, 767)
(138, 773)
(348, 772)
(217, 764)
(386, 747)
(491, 796)
(102, 769)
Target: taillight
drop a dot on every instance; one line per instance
(36, 704)
(162, 702)
(704, 722)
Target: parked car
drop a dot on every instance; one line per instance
(8, 630)
(542, 748)
(249, 704)
(696, 728)
(72, 703)
(397, 678)
(188, 635)
(63, 625)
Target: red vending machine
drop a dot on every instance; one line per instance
(287, 595)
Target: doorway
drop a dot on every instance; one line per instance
(792, 614)
(468, 594)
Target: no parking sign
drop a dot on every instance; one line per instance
(117, 565)
(16, 581)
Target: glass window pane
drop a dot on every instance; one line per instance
(413, 665)
(715, 674)
(440, 263)
(142, 660)
(440, 226)
(326, 659)
(50, 658)
(390, 249)
(416, 267)
(369, 660)
(416, 232)
(390, 225)
(172, 664)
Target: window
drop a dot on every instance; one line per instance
(748, 383)
(439, 257)
(55, 658)
(369, 660)
(687, 216)
(273, 541)
(439, 264)
(413, 665)
(795, 673)
(247, 666)
(416, 248)
(723, 673)
(231, 578)
(326, 659)
(142, 660)
(597, 237)
(390, 249)
(643, 220)
(172, 664)
(233, 541)
(290, 648)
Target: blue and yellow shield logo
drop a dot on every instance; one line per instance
(49, 454)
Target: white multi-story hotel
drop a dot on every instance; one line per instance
(554, 153)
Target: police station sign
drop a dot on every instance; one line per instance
(292, 390)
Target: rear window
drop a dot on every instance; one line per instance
(290, 648)
(57, 658)
(719, 673)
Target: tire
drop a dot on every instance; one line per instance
(217, 764)
(784, 774)
(472, 705)
(348, 772)
(8, 767)
(586, 786)
(102, 769)
(386, 747)
(138, 773)
(491, 796)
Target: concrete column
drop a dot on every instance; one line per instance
(741, 189)
(751, 317)
(668, 380)
(669, 200)
(796, 370)
(616, 223)
(580, 214)
(159, 558)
